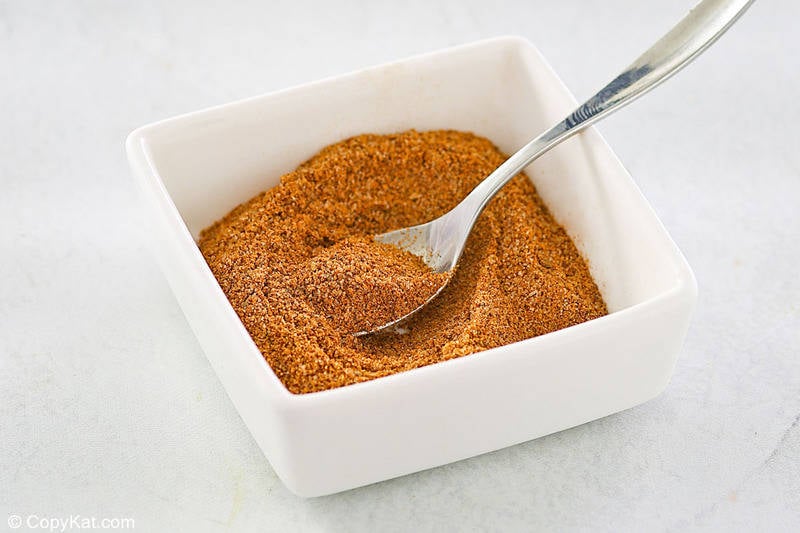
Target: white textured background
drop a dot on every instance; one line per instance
(109, 408)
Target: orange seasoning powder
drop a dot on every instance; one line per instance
(297, 264)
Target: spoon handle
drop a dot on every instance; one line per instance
(704, 24)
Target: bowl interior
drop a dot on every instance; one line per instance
(212, 160)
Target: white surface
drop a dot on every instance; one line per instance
(193, 169)
(109, 408)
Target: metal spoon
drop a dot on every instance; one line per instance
(440, 242)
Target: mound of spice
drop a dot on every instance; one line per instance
(295, 264)
(362, 284)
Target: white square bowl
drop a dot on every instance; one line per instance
(193, 169)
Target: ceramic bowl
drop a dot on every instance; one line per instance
(192, 169)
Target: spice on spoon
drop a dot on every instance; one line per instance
(363, 284)
(290, 261)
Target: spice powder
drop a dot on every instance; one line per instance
(297, 264)
(363, 284)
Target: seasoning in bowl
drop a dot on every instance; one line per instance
(298, 265)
